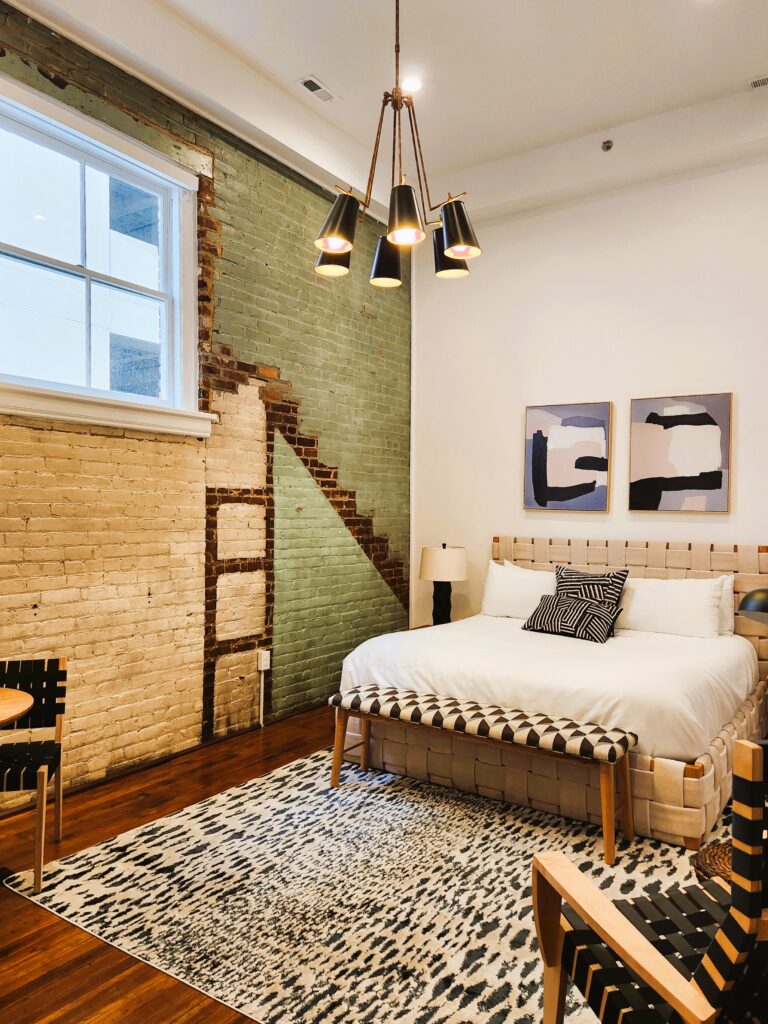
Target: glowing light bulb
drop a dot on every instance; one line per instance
(406, 236)
(411, 84)
(334, 244)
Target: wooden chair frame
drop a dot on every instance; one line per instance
(41, 793)
(557, 879)
(41, 803)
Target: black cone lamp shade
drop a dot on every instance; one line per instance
(338, 231)
(459, 240)
(444, 265)
(405, 225)
(385, 272)
(754, 605)
(333, 264)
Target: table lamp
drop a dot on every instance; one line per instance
(754, 605)
(442, 566)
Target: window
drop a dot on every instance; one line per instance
(97, 270)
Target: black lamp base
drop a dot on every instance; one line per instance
(441, 603)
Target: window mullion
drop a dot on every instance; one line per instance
(84, 262)
(171, 341)
(83, 231)
(79, 271)
(88, 334)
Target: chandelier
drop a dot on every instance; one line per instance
(453, 239)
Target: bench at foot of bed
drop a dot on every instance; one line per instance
(558, 738)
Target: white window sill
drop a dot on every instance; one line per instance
(40, 403)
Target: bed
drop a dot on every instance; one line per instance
(687, 699)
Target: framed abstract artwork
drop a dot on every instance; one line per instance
(567, 457)
(680, 454)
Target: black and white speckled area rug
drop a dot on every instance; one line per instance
(384, 901)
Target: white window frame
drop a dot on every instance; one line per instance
(59, 127)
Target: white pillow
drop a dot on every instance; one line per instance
(681, 607)
(513, 591)
(726, 606)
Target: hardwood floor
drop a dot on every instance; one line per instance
(50, 970)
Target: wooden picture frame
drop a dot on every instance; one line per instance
(704, 463)
(561, 485)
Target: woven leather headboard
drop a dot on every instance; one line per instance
(654, 558)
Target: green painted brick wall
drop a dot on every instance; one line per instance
(328, 595)
(343, 345)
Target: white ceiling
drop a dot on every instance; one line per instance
(501, 77)
(518, 94)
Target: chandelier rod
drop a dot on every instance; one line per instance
(401, 176)
(397, 45)
(420, 157)
(421, 172)
(371, 173)
(394, 143)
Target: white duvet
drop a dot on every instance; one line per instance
(675, 692)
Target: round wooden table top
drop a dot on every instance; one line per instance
(13, 704)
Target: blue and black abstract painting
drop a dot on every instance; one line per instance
(567, 457)
(680, 450)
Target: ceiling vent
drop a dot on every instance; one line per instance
(313, 84)
(758, 83)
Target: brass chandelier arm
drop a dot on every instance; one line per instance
(421, 173)
(394, 144)
(399, 144)
(397, 103)
(420, 155)
(420, 161)
(372, 172)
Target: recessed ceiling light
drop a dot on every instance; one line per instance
(411, 84)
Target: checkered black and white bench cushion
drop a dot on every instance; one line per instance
(521, 728)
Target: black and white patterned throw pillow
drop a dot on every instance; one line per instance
(576, 617)
(605, 586)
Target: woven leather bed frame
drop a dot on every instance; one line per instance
(675, 802)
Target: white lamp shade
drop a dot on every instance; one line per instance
(445, 565)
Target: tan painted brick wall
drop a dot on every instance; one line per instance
(239, 459)
(242, 531)
(237, 693)
(240, 604)
(101, 561)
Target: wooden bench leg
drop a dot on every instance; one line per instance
(40, 809)
(342, 717)
(608, 808)
(625, 789)
(365, 739)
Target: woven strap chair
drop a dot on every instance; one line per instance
(30, 764)
(694, 955)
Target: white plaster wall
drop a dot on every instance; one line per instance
(657, 290)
